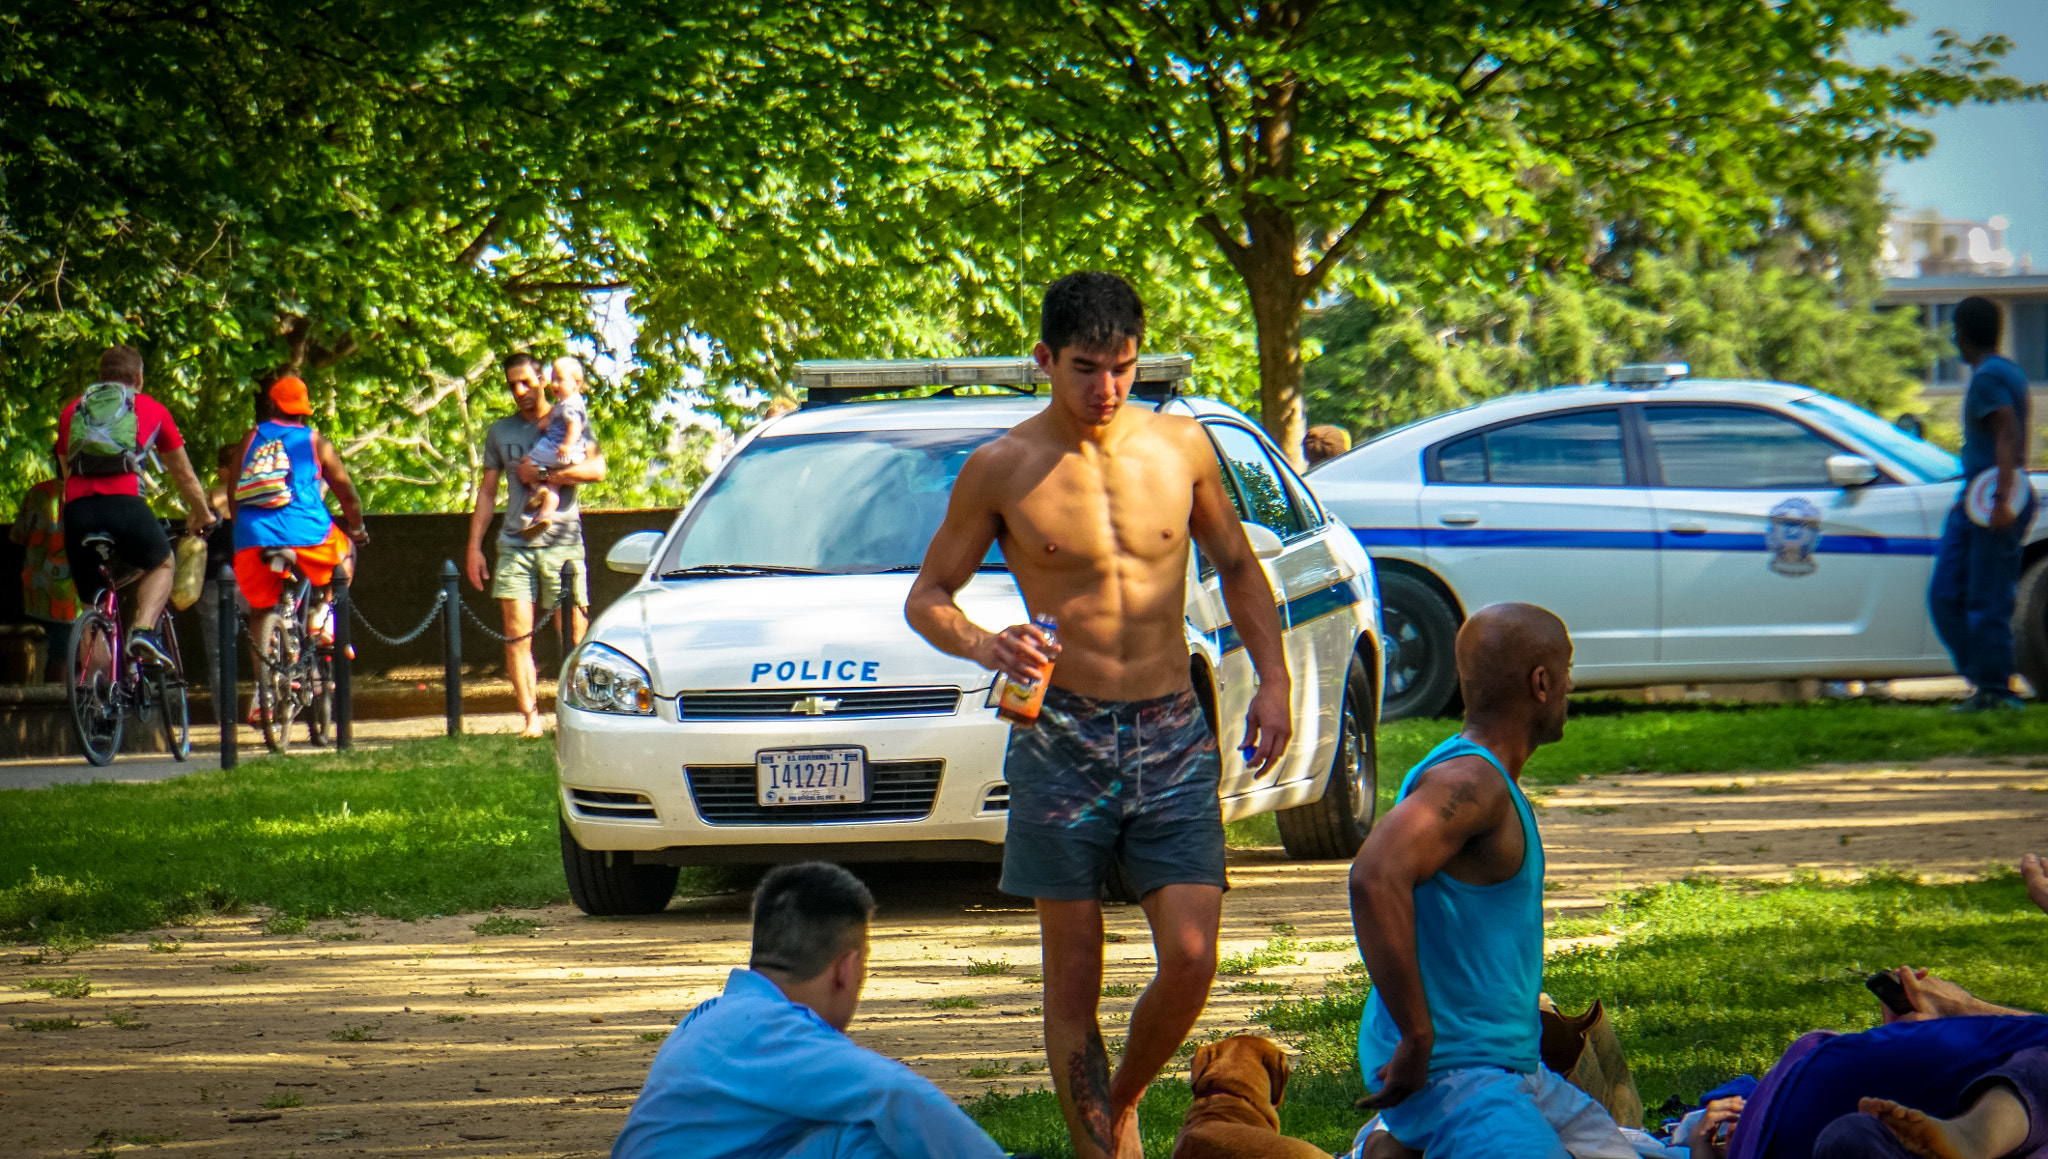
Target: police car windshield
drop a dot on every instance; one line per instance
(1930, 463)
(837, 503)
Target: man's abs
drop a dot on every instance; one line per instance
(1101, 543)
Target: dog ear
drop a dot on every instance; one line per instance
(1199, 1065)
(1279, 1068)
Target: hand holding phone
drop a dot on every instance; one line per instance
(1885, 985)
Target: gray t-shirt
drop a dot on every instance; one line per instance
(505, 444)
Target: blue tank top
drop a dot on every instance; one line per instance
(304, 521)
(1480, 949)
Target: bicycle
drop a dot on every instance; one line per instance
(105, 684)
(295, 670)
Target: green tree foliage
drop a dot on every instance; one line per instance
(1475, 143)
(1799, 306)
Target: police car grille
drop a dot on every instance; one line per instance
(785, 703)
(897, 791)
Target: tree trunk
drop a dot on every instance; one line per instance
(1277, 310)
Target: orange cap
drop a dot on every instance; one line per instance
(288, 395)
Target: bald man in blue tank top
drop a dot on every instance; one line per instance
(1447, 902)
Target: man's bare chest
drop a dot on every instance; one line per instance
(1096, 511)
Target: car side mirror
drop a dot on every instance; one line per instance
(1911, 424)
(1850, 470)
(1265, 544)
(633, 553)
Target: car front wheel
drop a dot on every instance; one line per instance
(1334, 827)
(2030, 627)
(605, 884)
(1420, 631)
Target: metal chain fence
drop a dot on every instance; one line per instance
(433, 613)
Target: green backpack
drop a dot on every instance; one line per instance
(105, 433)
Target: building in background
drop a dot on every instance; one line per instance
(1932, 262)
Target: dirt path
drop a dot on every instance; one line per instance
(385, 1038)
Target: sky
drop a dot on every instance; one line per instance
(1987, 160)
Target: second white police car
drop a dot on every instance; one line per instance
(1685, 530)
(768, 628)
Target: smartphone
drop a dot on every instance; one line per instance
(1888, 990)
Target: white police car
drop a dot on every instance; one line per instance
(768, 630)
(1686, 531)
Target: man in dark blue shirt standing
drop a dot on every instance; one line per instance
(1976, 573)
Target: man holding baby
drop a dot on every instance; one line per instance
(544, 450)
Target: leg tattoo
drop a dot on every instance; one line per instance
(1088, 1079)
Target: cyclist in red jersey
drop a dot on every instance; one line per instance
(97, 499)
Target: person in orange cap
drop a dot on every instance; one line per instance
(280, 515)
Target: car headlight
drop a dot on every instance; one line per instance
(604, 679)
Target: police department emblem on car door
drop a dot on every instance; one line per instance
(1794, 534)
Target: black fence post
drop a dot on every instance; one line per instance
(451, 594)
(227, 703)
(344, 665)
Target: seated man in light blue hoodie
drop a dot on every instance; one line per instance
(766, 1069)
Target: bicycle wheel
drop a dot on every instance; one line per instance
(92, 674)
(277, 701)
(172, 707)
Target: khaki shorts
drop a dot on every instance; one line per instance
(534, 574)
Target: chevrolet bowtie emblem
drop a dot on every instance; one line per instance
(815, 705)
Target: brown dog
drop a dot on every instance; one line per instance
(1236, 1114)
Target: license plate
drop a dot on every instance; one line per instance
(811, 776)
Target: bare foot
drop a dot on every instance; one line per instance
(1920, 1132)
(533, 729)
(2034, 868)
(535, 528)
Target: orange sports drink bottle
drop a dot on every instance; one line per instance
(1019, 703)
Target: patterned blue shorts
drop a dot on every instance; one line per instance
(1101, 779)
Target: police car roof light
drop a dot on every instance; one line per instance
(825, 382)
(1644, 375)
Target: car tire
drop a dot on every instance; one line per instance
(604, 885)
(1334, 827)
(1420, 631)
(2030, 627)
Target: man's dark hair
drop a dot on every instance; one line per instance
(515, 361)
(1978, 323)
(121, 364)
(1092, 310)
(805, 915)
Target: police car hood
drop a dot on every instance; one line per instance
(796, 632)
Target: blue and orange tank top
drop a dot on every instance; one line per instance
(302, 522)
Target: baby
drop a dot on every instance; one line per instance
(560, 446)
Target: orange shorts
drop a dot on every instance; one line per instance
(317, 563)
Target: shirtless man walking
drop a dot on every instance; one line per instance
(1095, 504)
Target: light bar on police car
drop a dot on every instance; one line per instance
(839, 377)
(1641, 374)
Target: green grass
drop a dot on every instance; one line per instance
(1278, 951)
(977, 966)
(498, 925)
(76, 986)
(242, 968)
(1610, 736)
(954, 1003)
(451, 1018)
(349, 1033)
(283, 1101)
(447, 825)
(38, 1025)
(1708, 981)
